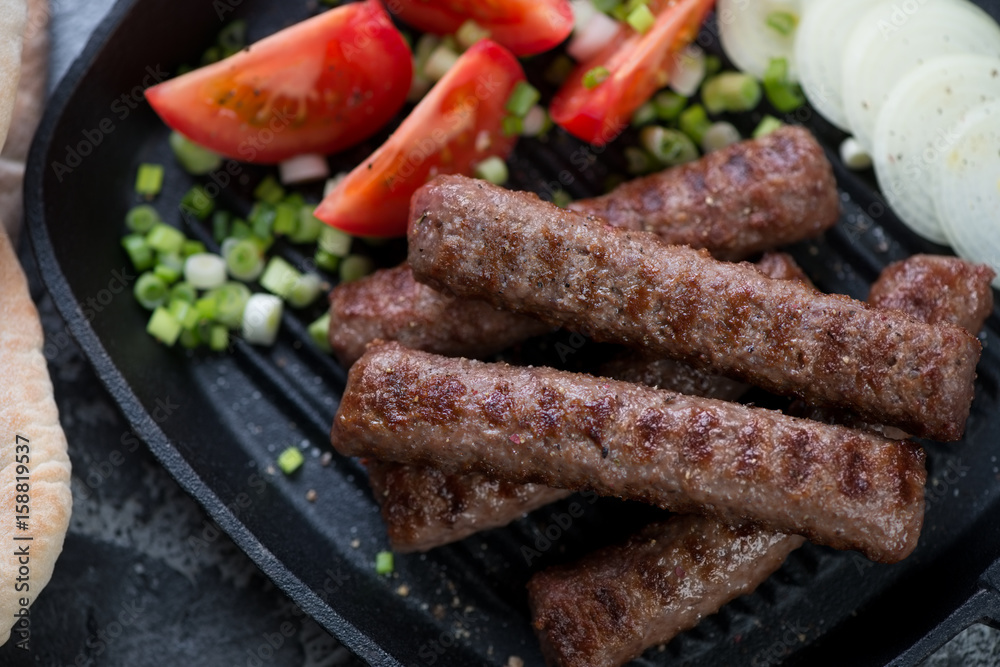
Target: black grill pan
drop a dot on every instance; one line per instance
(217, 422)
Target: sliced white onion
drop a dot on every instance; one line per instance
(819, 52)
(303, 169)
(747, 38)
(916, 128)
(853, 155)
(261, 319)
(534, 121)
(891, 39)
(687, 71)
(719, 135)
(205, 270)
(967, 188)
(593, 37)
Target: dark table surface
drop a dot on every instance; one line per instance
(145, 578)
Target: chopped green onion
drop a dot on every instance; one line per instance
(669, 147)
(230, 303)
(305, 290)
(536, 122)
(220, 225)
(212, 54)
(286, 218)
(423, 50)
(141, 219)
(308, 228)
(290, 460)
(713, 65)
(784, 95)
(783, 22)
(262, 220)
(164, 238)
(319, 331)
(607, 6)
(150, 291)
(669, 105)
(492, 169)
(512, 126)
(469, 33)
(644, 115)
(240, 229)
(184, 312)
(384, 563)
(719, 135)
(244, 260)
(730, 91)
(853, 155)
(139, 252)
(163, 326)
(440, 61)
(205, 270)
(767, 125)
(261, 319)
(167, 273)
(355, 267)
(335, 241)
(149, 180)
(197, 202)
(190, 339)
(639, 161)
(191, 247)
(326, 260)
(207, 307)
(522, 98)
(193, 158)
(184, 291)
(641, 19)
(595, 77)
(559, 70)
(268, 190)
(218, 337)
(561, 198)
(694, 122)
(233, 37)
(279, 276)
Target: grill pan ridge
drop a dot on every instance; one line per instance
(466, 604)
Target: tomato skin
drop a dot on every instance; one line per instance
(638, 66)
(526, 27)
(320, 86)
(455, 126)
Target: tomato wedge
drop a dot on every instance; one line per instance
(456, 125)
(526, 27)
(317, 87)
(637, 65)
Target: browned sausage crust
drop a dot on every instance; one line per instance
(935, 288)
(424, 508)
(737, 201)
(843, 488)
(478, 240)
(610, 606)
(391, 305)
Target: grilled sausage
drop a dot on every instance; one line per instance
(843, 488)
(607, 608)
(935, 288)
(391, 305)
(737, 201)
(515, 251)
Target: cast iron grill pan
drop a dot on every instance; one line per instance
(217, 422)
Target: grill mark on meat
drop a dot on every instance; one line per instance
(801, 458)
(854, 478)
(437, 399)
(593, 418)
(615, 606)
(497, 406)
(547, 420)
(649, 429)
(659, 582)
(393, 401)
(695, 446)
(751, 452)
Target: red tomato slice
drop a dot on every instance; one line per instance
(526, 27)
(317, 87)
(638, 65)
(456, 125)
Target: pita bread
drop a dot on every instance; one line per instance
(30, 433)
